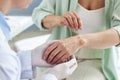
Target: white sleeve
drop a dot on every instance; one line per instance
(13, 66)
(27, 71)
(10, 68)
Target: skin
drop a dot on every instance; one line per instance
(61, 50)
(71, 19)
(7, 5)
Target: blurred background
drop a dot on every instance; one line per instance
(23, 30)
(27, 11)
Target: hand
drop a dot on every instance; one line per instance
(73, 21)
(65, 69)
(70, 19)
(61, 50)
(37, 54)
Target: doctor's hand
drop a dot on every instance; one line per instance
(61, 71)
(37, 54)
(61, 50)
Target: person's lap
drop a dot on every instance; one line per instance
(88, 70)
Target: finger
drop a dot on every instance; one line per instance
(75, 22)
(69, 20)
(49, 50)
(62, 53)
(54, 53)
(67, 23)
(63, 58)
(64, 22)
(69, 58)
(78, 20)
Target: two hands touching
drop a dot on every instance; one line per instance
(69, 19)
(59, 55)
(61, 50)
(59, 71)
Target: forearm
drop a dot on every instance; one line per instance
(101, 40)
(51, 21)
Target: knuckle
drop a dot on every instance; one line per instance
(73, 18)
(78, 18)
(54, 54)
(64, 20)
(48, 50)
(55, 60)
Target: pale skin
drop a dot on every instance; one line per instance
(7, 5)
(71, 19)
(61, 50)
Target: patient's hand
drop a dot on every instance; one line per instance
(61, 50)
(72, 20)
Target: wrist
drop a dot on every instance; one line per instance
(82, 41)
(50, 21)
(58, 20)
(75, 42)
(89, 39)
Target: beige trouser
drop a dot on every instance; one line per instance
(88, 70)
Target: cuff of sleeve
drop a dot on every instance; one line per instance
(27, 71)
(117, 28)
(39, 19)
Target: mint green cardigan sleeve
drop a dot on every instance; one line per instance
(111, 56)
(117, 28)
(55, 7)
(115, 19)
(45, 8)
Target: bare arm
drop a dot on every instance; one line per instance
(101, 40)
(69, 46)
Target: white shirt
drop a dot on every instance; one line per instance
(92, 21)
(14, 66)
